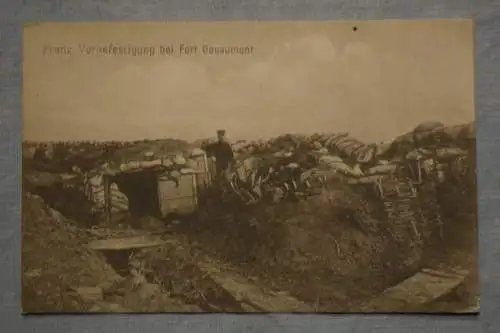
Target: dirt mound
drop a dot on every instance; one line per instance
(328, 250)
(55, 260)
(60, 273)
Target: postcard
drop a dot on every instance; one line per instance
(291, 166)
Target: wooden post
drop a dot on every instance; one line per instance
(419, 166)
(107, 199)
(208, 176)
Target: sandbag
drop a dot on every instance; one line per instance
(365, 155)
(329, 140)
(428, 126)
(167, 162)
(179, 160)
(414, 155)
(329, 159)
(353, 148)
(454, 131)
(322, 151)
(345, 169)
(341, 142)
(381, 169)
(307, 174)
(149, 164)
(340, 167)
(468, 131)
(346, 142)
(371, 179)
(118, 207)
(448, 153)
(149, 155)
(196, 152)
(382, 148)
(356, 171)
(187, 171)
(348, 147)
(191, 164)
(332, 141)
(317, 145)
(96, 180)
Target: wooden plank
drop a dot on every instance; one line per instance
(126, 243)
(246, 292)
(448, 274)
(252, 297)
(423, 287)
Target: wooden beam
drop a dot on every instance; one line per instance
(107, 199)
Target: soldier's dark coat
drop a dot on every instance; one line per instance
(223, 155)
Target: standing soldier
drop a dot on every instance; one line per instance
(224, 156)
(223, 153)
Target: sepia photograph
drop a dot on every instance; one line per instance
(240, 166)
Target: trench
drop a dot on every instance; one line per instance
(255, 242)
(68, 200)
(253, 247)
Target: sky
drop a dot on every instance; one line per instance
(302, 77)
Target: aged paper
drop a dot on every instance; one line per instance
(249, 167)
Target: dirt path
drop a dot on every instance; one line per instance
(180, 267)
(251, 296)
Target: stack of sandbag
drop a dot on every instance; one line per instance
(94, 190)
(349, 147)
(446, 154)
(171, 162)
(366, 154)
(461, 131)
(330, 141)
(400, 146)
(454, 131)
(335, 163)
(382, 169)
(119, 201)
(423, 130)
(331, 162)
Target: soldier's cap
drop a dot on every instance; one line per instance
(221, 131)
